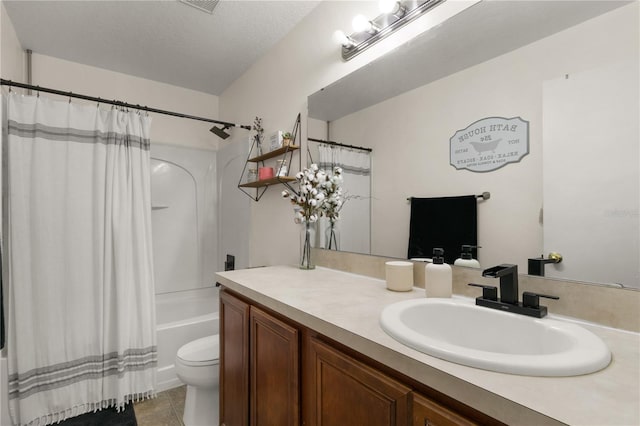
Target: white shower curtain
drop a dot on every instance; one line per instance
(81, 315)
(355, 216)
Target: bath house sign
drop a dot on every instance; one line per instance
(489, 144)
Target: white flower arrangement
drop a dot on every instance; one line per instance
(259, 136)
(320, 194)
(257, 126)
(334, 196)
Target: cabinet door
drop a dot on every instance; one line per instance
(343, 391)
(429, 413)
(275, 371)
(234, 361)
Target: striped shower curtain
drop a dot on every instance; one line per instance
(355, 215)
(81, 317)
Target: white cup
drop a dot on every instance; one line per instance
(399, 275)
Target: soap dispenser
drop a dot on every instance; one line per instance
(466, 257)
(437, 276)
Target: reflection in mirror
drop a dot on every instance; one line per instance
(507, 59)
(351, 230)
(591, 182)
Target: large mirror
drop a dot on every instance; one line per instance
(568, 68)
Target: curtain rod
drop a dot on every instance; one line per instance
(340, 144)
(10, 83)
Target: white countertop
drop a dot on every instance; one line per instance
(346, 308)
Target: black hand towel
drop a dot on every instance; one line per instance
(447, 222)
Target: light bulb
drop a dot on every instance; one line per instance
(341, 38)
(387, 6)
(360, 23)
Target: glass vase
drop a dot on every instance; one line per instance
(307, 238)
(259, 146)
(332, 236)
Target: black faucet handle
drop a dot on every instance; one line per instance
(532, 300)
(489, 292)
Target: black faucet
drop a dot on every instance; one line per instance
(508, 275)
(536, 264)
(508, 300)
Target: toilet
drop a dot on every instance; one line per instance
(197, 367)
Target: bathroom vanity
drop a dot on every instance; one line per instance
(306, 347)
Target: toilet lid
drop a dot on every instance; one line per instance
(201, 351)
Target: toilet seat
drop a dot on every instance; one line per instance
(200, 352)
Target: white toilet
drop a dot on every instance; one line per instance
(197, 367)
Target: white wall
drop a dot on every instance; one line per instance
(65, 75)
(509, 86)
(12, 64)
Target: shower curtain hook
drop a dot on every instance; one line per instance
(38, 91)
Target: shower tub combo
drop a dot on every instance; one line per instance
(183, 198)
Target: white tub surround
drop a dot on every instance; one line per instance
(184, 218)
(346, 308)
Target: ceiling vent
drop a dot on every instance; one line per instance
(203, 5)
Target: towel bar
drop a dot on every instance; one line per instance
(485, 196)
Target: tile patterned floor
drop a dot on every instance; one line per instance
(164, 410)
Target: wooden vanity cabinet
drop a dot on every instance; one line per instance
(259, 367)
(234, 361)
(428, 413)
(344, 391)
(275, 373)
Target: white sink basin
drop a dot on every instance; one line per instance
(457, 330)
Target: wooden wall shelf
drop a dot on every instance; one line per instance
(285, 153)
(266, 182)
(274, 153)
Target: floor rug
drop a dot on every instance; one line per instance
(106, 417)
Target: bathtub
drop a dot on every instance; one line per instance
(180, 318)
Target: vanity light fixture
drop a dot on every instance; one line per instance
(395, 14)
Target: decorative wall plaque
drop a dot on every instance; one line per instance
(489, 143)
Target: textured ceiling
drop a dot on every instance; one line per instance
(165, 41)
